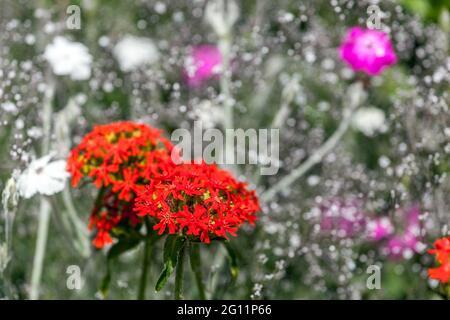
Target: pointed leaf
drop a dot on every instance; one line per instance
(232, 260)
(172, 247)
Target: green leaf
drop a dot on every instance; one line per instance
(122, 246)
(172, 247)
(104, 286)
(195, 257)
(115, 251)
(196, 266)
(179, 275)
(168, 246)
(232, 260)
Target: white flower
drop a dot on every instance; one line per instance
(208, 114)
(369, 121)
(133, 52)
(10, 196)
(43, 177)
(10, 107)
(68, 58)
(221, 15)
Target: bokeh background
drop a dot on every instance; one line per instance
(392, 163)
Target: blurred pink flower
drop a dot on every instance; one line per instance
(204, 63)
(405, 244)
(367, 50)
(342, 217)
(380, 228)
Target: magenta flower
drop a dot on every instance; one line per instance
(380, 228)
(367, 50)
(403, 246)
(342, 217)
(406, 243)
(204, 63)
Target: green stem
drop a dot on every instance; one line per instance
(44, 211)
(80, 229)
(218, 261)
(355, 94)
(225, 43)
(99, 199)
(41, 242)
(179, 275)
(196, 268)
(145, 264)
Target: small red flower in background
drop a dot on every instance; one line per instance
(198, 200)
(442, 254)
(120, 158)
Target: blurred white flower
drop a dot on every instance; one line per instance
(208, 113)
(9, 107)
(221, 15)
(132, 52)
(10, 196)
(369, 121)
(68, 58)
(43, 177)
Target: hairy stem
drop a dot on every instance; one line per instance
(355, 98)
(80, 229)
(228, 104)
(44, 211)
(287, 97)
(41, 243)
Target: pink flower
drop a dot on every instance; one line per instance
(204, 63)
(380, 228)
(367, 50)
(342, 217)
(405, 244)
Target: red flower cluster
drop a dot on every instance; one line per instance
(442, 254)
(198, 200)
(121, 158)
(111, 213)
(127, 159)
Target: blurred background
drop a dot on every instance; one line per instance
(379, 197)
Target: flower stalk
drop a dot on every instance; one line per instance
(355, 94)
(222, 15)
(228, 104)
(44, 207)
(148, 246)
(41, 243)
(197, 270)
(82, 241)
